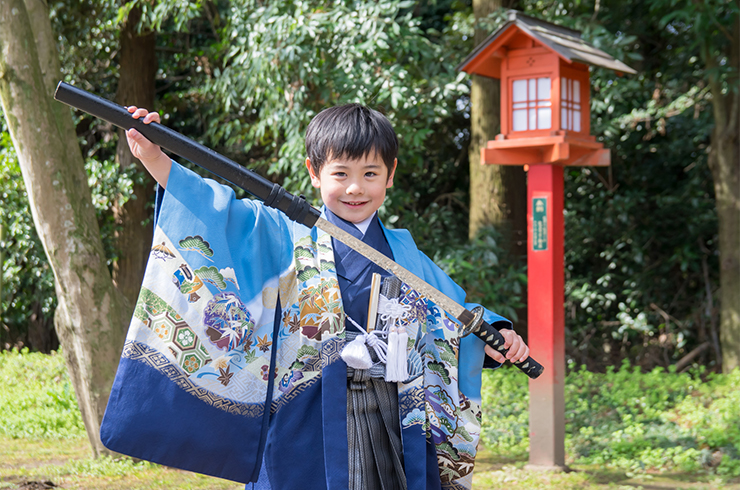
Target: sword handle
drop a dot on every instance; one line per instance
(491, 336)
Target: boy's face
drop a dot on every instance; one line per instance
(353, 189)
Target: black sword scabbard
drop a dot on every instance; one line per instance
(295, 207)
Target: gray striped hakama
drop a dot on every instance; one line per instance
(373, 433)
(373, 421)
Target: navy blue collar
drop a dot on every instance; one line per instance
(351, 264)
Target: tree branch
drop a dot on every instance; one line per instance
(700, 6)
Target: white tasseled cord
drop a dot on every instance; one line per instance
(391, 311)
(356, 355)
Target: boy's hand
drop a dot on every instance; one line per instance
(518, 350)
(156, 162)
(142, 148)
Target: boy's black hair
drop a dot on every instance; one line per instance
(350, 131)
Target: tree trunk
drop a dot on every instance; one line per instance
(497, 192)
(92, 316)
(725, 164)
(138, 67)
(2, 262)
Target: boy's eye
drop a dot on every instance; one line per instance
(340, 174)
(370, 174)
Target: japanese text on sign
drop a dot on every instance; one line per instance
(539, 223)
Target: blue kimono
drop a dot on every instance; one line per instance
(232, 365)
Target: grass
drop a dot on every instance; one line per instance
(68, 464)
(625, 430)
(37, 399)
(496, 471)
(641, 424)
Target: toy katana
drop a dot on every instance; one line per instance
(295, 207)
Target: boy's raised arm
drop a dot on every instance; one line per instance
(151, 156)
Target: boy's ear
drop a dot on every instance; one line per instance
(389, 183)
(315, 181)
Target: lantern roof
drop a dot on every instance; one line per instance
(565, 42)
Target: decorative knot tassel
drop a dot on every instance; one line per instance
(396, 369)
(356, 355)
(403, 342)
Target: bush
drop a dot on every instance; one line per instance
(37, 399)
(627, 420)
(488, 273)
(27, 283)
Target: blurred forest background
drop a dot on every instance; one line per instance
(246, 76)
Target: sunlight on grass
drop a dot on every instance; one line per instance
(634, 422)
(68, 463)
(37, 399)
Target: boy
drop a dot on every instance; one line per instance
(248, 340)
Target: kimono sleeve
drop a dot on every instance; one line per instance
(192, 384)
(248, 231)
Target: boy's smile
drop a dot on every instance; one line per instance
(353, 189)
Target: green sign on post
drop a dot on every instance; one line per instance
(539, 223)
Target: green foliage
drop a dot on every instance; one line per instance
(488, 273)
(37, 399)
(641, 247)
(245, 77)
(284, 61)
(709, 25)
(505, 407)
(28, 283)
(111, 186)
(87, 43)
(628, 420)
(274, 65)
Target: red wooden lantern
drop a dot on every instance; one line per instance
(545, 125)
(545, 116)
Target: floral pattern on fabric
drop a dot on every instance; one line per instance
(451, 421)
(199, 319)
(228, 322)
(316, 314)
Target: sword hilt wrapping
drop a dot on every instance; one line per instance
(492, 337)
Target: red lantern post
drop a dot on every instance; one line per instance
(545, 125)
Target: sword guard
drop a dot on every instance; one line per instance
(474, 325)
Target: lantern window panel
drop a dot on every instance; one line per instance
(570, 112)
(520, 120)
(520, 91)
(531, 104)
(544, 118)
(543, 88)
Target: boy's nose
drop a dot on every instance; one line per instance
(354, 188)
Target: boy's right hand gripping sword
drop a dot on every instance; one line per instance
(296, 208)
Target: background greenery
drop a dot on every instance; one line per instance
(245, 77)
(37, 399)
(627, 420)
